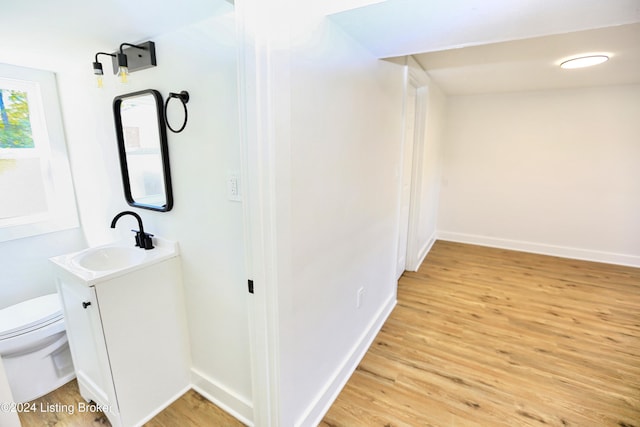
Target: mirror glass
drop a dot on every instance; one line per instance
(144, 154)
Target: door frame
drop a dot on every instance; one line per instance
(263, 165)
(416, 80)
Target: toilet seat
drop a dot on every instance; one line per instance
(29, 315)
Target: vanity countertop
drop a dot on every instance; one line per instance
(100, 263)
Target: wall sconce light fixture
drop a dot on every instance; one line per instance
(129, 58)
(97, 68)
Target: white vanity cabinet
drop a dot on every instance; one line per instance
(128, 337)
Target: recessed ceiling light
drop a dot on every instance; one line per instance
(584, 61)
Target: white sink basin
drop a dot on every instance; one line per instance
(109, 258)
(103, 262)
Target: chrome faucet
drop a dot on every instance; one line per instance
(143, 240)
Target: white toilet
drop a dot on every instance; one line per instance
(34, 348)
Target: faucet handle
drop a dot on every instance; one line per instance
(143, 240)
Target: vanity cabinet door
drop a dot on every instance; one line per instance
(86, 341)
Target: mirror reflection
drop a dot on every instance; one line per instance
(142, 145)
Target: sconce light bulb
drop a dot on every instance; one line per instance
(123, 73)
(97, 71)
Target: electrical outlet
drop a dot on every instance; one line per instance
(233, 188)
(359, 297)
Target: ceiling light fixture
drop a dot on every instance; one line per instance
(584, 61)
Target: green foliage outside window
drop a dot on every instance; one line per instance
(15, 125)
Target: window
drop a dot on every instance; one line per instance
(36, 193)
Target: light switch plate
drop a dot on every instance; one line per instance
(233, 188)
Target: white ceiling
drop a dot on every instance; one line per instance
(401, 27)
(533, 64)
(50, 33)
(473, 46)
(468, 46)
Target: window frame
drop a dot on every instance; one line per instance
(50, 148)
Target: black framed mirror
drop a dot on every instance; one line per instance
(143, 150)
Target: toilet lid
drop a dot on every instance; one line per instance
(29, 315)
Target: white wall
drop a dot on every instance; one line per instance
(323, 142)
(200, 58)
(345, 136)
(24, 263)
(551, 171)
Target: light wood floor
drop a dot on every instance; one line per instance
(480, 337)
(488, 337)
(190, 410)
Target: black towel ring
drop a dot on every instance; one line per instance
(184, 98)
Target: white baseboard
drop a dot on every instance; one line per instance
(242, 408)
(321, 404)
(424, 251)
(221, 396)
(544, 249)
